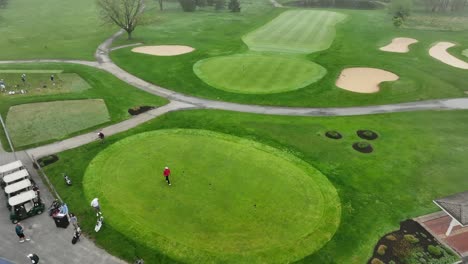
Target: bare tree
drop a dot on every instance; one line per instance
(123, 13)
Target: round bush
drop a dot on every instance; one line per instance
(333, 134)
(367, 134)
(363, 147)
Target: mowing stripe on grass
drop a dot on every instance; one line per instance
(465, 53)
(297, 31)
(232, 200)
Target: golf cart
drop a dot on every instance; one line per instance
(18, 187)
(11, 167)
(24, 205)
(14, 177)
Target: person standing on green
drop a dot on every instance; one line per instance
(167, 173)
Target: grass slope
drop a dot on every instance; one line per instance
(33, 29)
(418, 157)
(296, 31)
(37, 122)
(226, 194)
(465, 53)
(118, 96)
(258, 74)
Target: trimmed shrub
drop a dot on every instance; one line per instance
(435, 251)
(391, 237)
(411, 238)
(381, 250)
(188, 5)
(376, 261)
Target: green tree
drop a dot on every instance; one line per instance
(401, 8)
(160, 2)
(188, 5)
(123, 13)
(220, 4)
(3, 3)
(234, 6)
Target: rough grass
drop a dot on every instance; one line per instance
(377, 191)
(436, 22)
(258, 74)
(37, 122)
(297, 31)
(226, 194)
(39, 83)
(33, 29)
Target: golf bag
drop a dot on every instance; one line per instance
(54, 208)
(99, 223)
(67, 180)
(76, 236)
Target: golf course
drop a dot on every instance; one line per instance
(259, 113)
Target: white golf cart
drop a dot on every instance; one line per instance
(17, 188)
(14, 177)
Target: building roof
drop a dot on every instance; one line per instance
(456, 206)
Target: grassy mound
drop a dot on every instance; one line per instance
(39, 122)
(258, 74)
(232, 200)
(39, 82)
(297, 31)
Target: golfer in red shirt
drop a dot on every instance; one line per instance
(167, 173)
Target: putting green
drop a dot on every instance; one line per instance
(297, 31)
(232, 200)
(258, 74)
(38, 122)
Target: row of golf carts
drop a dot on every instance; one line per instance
(21, 192)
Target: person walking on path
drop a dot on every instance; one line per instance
(20, 232)
(167, 173)
(101, 136)
(74, 220)
(95, 205)
(23, 78)
(52, 78)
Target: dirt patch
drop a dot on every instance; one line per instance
(363, 147)
(410, 244)
(439, 52)
(164, 50)
(139, 109)
(364, 80)
(333, 134)
(399, 45)
(44, 161)
(367, 134)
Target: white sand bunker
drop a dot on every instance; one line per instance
(400, 45)
(439, 52)
(364, 80)
(164, 50)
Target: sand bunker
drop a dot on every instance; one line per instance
(400, 45)
(439, 52)
(164, 50)
(364, 80)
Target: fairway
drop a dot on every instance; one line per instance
(38, 122)
(232, 200)
(258, 74)
(297, 31)
(38, 82)
(465, 52)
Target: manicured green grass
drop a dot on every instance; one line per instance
(356, 44)
(227, 193)
(296, 31)
(258, 74)
(418, 157)
(39, 83)
(37, 122)
(465, 53)
(117, 95)
(33, 29)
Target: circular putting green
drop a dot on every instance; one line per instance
(258, 74)
(232, 200)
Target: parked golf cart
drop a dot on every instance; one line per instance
(24, 205)
(14, 177)
(18, 187)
